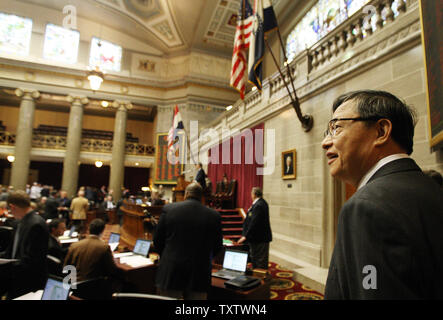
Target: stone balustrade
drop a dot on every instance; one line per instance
(90, 145)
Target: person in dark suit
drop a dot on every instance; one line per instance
(56, 229)
(187, 237)
(64, 205)
(389, 241)
(51, 207)
(29, 247)
(289, 168)
(257, 230)
(200, 177)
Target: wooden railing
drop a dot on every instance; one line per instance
(91, 145)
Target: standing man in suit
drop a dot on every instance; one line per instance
(200, 177)
(29, 247)
(64, 205)
(257, 230)
(389, 238)
(79, 208)
(187, 237)
(51, 206)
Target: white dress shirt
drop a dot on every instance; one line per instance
(380, 164)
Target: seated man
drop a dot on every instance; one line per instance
(91, 256)
(29, 247)
(56, 229)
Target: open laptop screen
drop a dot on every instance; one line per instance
(235, 260)
(54, 290)
(114, 238)
(142, 247)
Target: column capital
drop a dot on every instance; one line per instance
(122, 105)
(77, 99)
(27, 93)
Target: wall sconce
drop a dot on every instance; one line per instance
(10, 158)
(98, 164)
(95, 78)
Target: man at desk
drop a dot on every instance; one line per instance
(91, 256)
(188, 235)
(56, 229)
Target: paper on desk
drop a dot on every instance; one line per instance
(31, 296)
(113, 245)
(69, 240)
(5, 261)
(136, 261)
(123, 254)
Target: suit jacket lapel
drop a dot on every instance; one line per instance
(396, 166)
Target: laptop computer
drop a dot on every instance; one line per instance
(234, 265)
(56, 290)
(137, 257)
(114, 240)
(138, 201)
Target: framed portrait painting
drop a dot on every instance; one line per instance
(288, 164)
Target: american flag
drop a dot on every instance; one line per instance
(241, 44)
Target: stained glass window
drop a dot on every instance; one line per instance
(105, 55)
(61, 44)
(15, 34)
(321, 19)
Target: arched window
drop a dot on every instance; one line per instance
(321, 19)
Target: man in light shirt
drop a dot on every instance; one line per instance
(389, 237)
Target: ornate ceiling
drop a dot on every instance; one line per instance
(168, 26)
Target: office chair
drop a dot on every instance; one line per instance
(93, 289)
(139, 296)
(55, 266)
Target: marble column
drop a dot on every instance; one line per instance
(23, 140)
(116, 177)
(73, 145)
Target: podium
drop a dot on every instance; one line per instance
(134, 219)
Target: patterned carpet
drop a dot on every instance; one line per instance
(283, 286)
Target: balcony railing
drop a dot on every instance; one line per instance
(90, 145)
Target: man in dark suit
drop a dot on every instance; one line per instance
(200, 177)
(187, 237)
(51, 207)
(257, 230)
(64, 205)
(29, 247)
(389, 238)
(56, 229)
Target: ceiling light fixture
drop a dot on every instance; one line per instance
(228, 108)
(95, 78)
(104, 104)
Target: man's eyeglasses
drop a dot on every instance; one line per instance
(332, 127)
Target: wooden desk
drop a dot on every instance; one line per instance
(219, 292)
(139, 279)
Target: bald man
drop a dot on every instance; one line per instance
(188, 235)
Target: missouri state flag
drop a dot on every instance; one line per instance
(264, 22)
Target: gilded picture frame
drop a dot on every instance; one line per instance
(289, 164)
